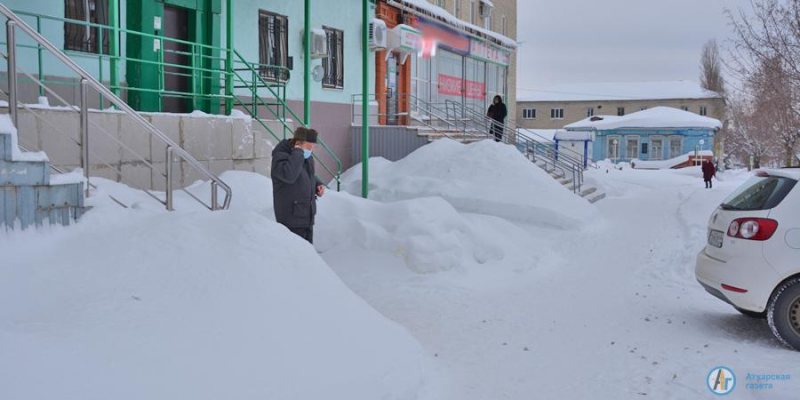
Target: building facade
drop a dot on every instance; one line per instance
(655, 134)
(561, 105)
(466, 54)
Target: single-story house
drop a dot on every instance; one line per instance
(655, 134)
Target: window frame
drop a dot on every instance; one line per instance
(628, 140)
(335, 51)
(703, 111)
(610, 145)
(91, 45)
(620, 111)
(282, 32)
(529, 113)
(678, 138)
(653, 139)
(557, 113)
(589, 112)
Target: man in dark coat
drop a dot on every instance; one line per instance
(709, 170)
(498, 113)
(295, 188)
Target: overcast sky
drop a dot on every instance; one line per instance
(567, 41)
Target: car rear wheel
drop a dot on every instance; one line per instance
(784, 313)
(753, 314)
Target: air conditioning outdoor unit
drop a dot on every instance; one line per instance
(319, 43)
(486, 9)
(377, 34)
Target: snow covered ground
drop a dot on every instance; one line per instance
(490, 281)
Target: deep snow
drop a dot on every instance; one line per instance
(473, 303)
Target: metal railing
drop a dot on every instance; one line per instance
(87, 81)
(251, 78)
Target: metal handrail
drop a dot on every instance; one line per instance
(87, 80)
(258, 82)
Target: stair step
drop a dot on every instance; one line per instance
(597, 198)
(566, 181)
(24, 173)
(588, 192)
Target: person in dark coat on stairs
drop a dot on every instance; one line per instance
(295, 187)
(498, 113)
(709, 170)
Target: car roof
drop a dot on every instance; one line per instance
(790, 173)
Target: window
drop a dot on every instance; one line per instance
(529, 113)
(590, 112)
(675, 146)
(83, 38)
(472, 11)
(441, 3)
(643, 108)
(504, 26)
(620, 111)
(487, 22)
(632, 147)
(273, 46)
(703, 110)
(556, 113)
(759, 193)
(656, 147)
(334, 62)
(684, 108)
(613, 147)
(457, 8)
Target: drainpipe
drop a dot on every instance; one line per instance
(307, 67)
(113, 10)
(229, 57)
(365, 99)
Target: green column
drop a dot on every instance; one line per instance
(307, 66)
(365, 99)
(229, 56)
(113, 10)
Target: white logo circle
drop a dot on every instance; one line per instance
(721, 381)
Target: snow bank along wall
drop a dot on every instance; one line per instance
(221, 143)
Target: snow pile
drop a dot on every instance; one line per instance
(656, 117)
(663, 90)
(670, 163)
(139, 303)
(428, 233)
(483, 177)
(7, 128)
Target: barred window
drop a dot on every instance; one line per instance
(273, 46)
(334, 62)
(83, 38)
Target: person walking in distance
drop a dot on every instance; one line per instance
(497, 112)
(709, 170)
(295, 187)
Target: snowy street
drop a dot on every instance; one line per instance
(616, 308)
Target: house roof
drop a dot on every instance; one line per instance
(665, 90)
(656, 117)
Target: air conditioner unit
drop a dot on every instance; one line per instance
(319, 43)
(377, 34)
(486, 9)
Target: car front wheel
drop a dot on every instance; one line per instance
(783, 313)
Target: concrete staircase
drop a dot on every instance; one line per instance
(591, 194)
(29, 196)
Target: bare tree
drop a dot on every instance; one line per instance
(711, 68)
(748, 136)
(766, 55)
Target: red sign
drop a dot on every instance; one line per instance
(455, 86)
(450, 85)
(475, 90)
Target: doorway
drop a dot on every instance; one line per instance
(392, 94)
(177, 80)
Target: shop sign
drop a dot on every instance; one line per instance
(450, 85)
(484, 51)
(475, 90)
(445, 37)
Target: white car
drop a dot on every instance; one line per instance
(752, 256)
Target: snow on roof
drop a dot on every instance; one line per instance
(657, 117)
(620, 91)
(573, 135)
(436, 11)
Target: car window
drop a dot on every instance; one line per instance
(759, 193)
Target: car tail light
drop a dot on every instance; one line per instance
(753, 228)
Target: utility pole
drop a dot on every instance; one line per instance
(307, 67)
(365, 99)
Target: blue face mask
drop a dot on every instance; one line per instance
(306, 153)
